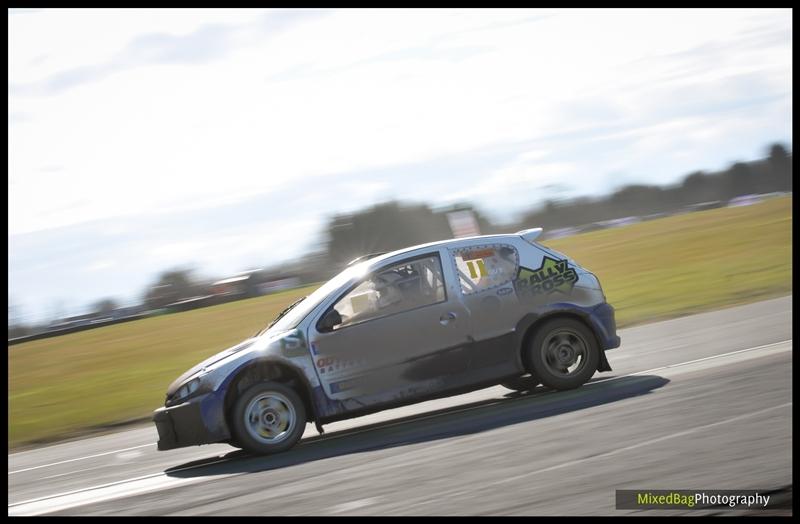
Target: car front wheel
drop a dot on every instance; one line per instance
(268, 418)
(563, 353)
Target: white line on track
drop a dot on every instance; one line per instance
(155, 481)
(765, 346)
(75, 472)
(422, 418)
(354, 505)
(76, 459)
(646, 443)
(110, 491)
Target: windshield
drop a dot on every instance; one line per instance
(299, 312)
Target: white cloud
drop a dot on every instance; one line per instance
(167, 136)
(520, 182)
(99, 265)
(272, 101)
(52, 40)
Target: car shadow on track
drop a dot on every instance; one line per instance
(514, 408)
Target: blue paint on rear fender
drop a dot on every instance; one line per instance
(605, 326)
(600, 318)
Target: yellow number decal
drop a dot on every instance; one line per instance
(472, 272)
(481, 267)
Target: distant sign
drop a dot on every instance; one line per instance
(278, 285)
(463, 224)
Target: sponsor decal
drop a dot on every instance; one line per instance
(481, 268)
(481, 265)
(294, 344)
(476, 263)
(332, 364)
(552, 276)
(476, 254)
(338, 387)
(324, 362)
(504, 291)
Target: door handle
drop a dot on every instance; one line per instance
(447, 318)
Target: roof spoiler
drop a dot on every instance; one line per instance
(530, 234)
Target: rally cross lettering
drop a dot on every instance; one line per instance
(552, 276)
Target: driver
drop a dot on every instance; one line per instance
(388, 292)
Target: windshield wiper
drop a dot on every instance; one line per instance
(280, 315)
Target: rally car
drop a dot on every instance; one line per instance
(397, 328)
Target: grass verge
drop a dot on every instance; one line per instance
(664, 268)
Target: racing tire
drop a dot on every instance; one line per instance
(269, 417)
(523, 383)
(563, 353)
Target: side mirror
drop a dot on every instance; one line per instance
(330, 320)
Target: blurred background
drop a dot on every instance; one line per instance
(178, 177)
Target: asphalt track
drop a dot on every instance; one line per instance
(699, 402)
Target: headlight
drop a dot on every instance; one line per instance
(185, 391)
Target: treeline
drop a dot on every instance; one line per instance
(771, 174)
(393, 225)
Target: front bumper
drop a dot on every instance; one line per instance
(196, 421)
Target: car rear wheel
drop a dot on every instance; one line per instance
(268, 418)
(563, 353)
(523, 383)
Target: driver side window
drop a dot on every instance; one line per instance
(401, 287)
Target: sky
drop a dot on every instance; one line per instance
(222, 140)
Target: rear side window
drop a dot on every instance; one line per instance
(485, 267)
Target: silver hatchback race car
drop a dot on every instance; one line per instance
(397, 328)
